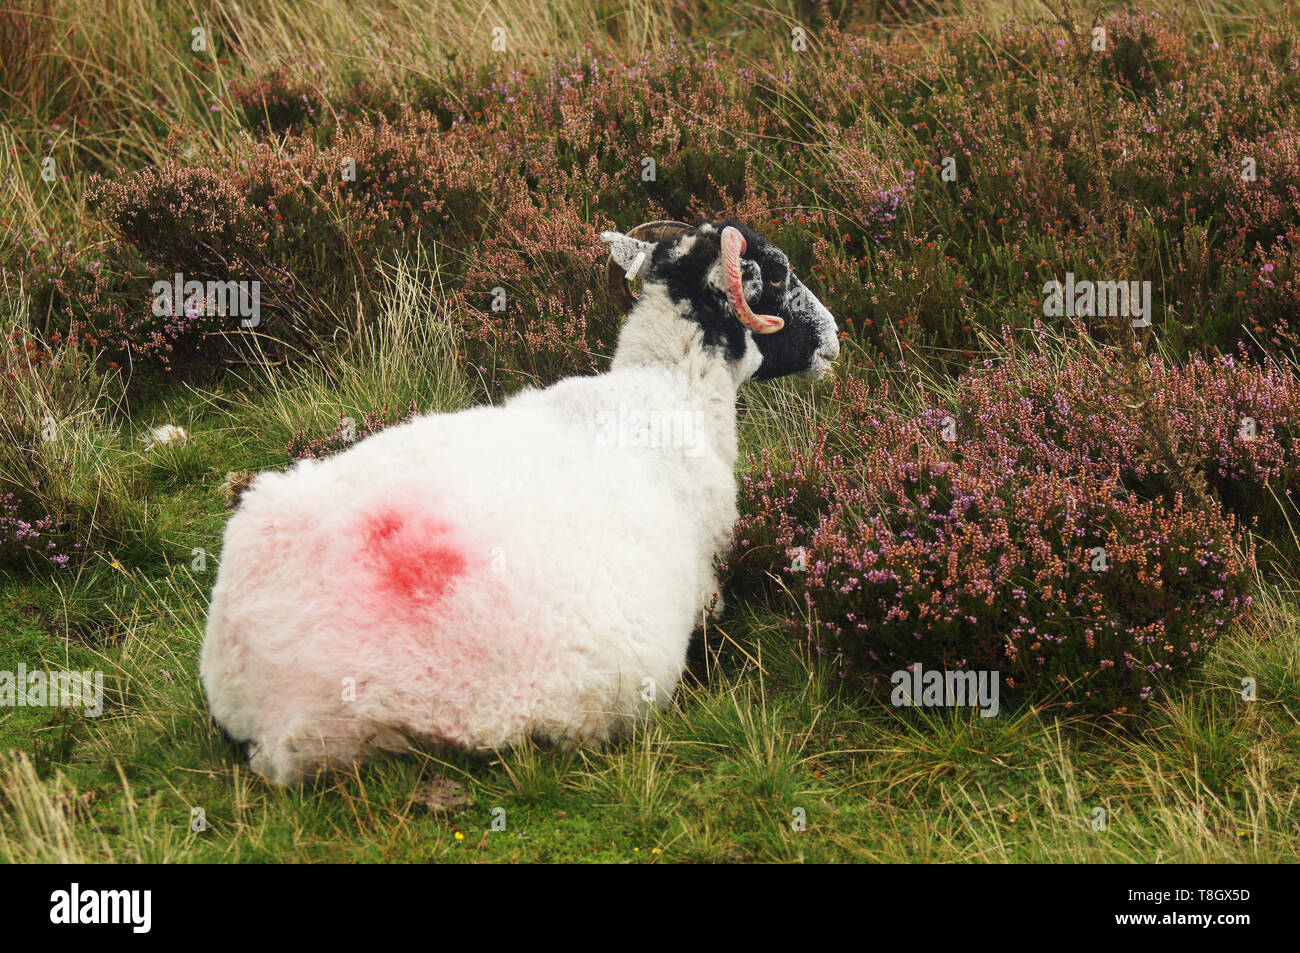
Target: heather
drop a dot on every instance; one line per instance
(1088, 546)
(1102, 512)
(928, 209)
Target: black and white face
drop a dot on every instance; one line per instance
(741, 290)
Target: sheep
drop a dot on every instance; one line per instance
(534, 570)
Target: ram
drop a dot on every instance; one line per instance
(533, 570)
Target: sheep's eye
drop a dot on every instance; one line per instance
(776, 282)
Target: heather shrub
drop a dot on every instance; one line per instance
(1238, 423)
(1222, 432)
(1104, 163)
(278, 102)
(175, 219)
(533, 298)
(311, 237)
(1043, 521)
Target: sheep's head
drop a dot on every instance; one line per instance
(737, 285)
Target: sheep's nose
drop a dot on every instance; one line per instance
(829, 352)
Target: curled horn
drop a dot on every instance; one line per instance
(616, 278)
(733, 246)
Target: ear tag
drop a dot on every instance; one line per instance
(637, 262)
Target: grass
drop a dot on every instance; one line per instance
(762, 757)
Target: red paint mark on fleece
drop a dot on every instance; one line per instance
(412, 556)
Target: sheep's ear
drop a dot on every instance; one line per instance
(626, 251)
